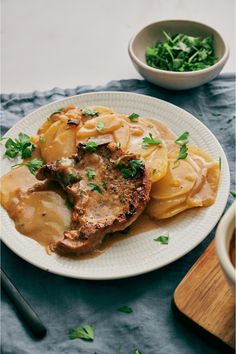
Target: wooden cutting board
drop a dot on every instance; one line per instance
(204, 299)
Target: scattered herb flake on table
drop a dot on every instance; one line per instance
(84, 332)
(181, 52)
(216, 114)
(125, 309)
(233, 193)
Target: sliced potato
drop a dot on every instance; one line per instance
(179, 179)
(101, 109)
(163, 209)
(111, 122)
(62, 146)
(122, 135)
(136, 144)
(157, 162)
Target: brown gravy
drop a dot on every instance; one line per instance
(143, 224)
(232, 253)
(43, 216)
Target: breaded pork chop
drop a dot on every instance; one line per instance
(107, 188)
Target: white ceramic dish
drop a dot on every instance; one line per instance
(152, 33)
(138, 254)
(224, 234)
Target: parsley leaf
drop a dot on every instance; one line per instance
(133, 117)
(125, 309)
(181, 52)
(33, 165)
(182, 140)
(21, 146)
(149, 140)
(100, 126)
(90, 172)
(55, 112)
(68, 203)
(131, 170)
(95, 187)
(137, 352)
(91, 146)
(233, 193)
(89, 112)
(216, 114)
(84, 332)
(163, 239)
(183, 153)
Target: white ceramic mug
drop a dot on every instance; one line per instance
(224, 235)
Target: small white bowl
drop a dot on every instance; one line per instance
(224, 234)
(152, 33)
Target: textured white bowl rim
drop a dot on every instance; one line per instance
(221, 246)
(174, 250)
(185, 73)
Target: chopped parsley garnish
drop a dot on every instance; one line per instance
(33, 165)
(216, 114)
(233, 193)
(42, 139)
(91, 146)
(100, 126)
(103, 185)
(90, 172)
(21, 146)
(55, 112)
(163, 239)
(133, 117)
(182, 140)
(181, 52)
(149, 140)
(95, 187)
(137, 352)
(89, 112)
(132, 169)
(125, 309)
(84, 332)
(69, 178)
(68, 203)
(219, 163)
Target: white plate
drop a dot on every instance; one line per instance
(138, 254)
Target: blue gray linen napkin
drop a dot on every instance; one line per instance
(64, 303)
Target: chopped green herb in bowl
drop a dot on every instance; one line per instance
(178, 54)
(181, 52)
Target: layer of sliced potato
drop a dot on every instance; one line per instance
(176, 187)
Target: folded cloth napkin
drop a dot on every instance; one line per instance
(64, 303)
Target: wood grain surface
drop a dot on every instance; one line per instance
(205, 298)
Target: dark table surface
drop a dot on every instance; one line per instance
(64, 303)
